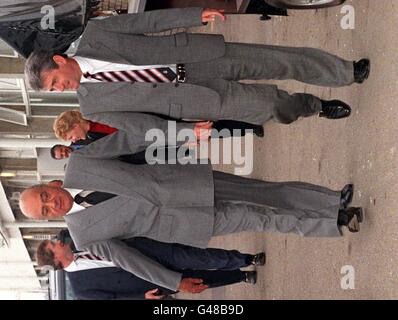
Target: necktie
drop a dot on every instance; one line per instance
(89, 198)
(87, 256)
(94, 136)
(164, 74)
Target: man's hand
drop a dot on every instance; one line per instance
(203, 130)
(192, 285)
(209, 15)
(152, 295)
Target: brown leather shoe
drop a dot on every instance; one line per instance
(355, 216)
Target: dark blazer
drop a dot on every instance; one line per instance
(109, 283)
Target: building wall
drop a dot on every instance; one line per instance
(11, 65)
(114, 4)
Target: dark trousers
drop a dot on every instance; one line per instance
(181, 258)
(178, 256)
(195, 262)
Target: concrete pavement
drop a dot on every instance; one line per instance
(361, 150)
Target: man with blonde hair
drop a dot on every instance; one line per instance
(126, 141)
(71, 126)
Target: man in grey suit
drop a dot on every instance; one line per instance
(189, 76)
(94, 277)
(185, 204)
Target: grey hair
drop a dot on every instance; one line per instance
(37, 63)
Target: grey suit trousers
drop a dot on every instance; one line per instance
(263, 101)
(244, 204)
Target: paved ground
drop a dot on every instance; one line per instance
(361, 150)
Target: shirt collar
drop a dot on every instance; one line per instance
(85, 66)
(72, 266)
(75, 207)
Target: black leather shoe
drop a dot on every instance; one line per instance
(361, 70)
(251, 277)
(346, 196)
(258, 131)
(259, 259)
(335, 109)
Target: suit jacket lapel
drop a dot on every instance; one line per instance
(98, 50)
(81, 174)
(88, 225)
(77, 178)
(95, 214)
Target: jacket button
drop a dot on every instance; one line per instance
(155, 86)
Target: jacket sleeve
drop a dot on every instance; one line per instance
(151, 21)
(95, 295)
(106, 295)
(137, 131)
(131, 260)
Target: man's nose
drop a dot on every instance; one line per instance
(50, 203)
(59, 87)
(54, 204)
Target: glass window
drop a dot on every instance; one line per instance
(65, 99)
(9, 84)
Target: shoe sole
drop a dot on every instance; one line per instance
(351, 188)
(360, 215)
(255, 279)
(356, 225)
(359, 219)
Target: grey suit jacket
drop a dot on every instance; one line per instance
(121, 39)
(170, 203)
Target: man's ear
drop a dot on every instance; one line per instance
(59, 60)
(55, 183)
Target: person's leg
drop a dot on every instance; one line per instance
(244, 204)
(238, 216)
(178, 256)
(257, 61)
(258, 103)
(289, 195)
